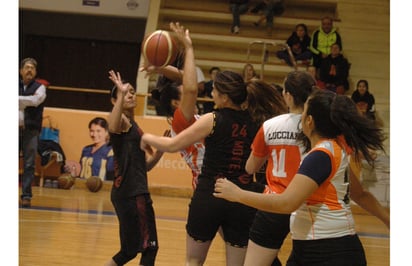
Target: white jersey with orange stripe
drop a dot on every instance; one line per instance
(326, 213)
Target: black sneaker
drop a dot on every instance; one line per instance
(25, 203)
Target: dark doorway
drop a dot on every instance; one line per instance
(79, 52)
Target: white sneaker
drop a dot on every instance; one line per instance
(236, 29)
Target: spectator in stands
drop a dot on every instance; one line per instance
(237, 7)
(322, 39)
(208, 106)
(31, 104)
(270, 8)
(97, 158)
(364, 100)
(312, 71)
(200, 87)
(334, 71)
(298, 42)
(249, 72)
(200, 81)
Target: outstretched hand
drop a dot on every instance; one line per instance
(182, 34)
(225, 189)
(116, 78)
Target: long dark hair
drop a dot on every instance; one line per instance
(300, 84)
(231, 83)
(167, 90)
(99, 121)
(336, 115)
(163, 98)
(264, 101)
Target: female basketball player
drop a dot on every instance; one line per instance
(322, 225)
(277, 143)
(228, 134)
(130, 194)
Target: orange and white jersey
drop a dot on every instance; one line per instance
(326, 213)
(193, 155)
(277, 139)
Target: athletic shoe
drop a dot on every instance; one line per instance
(25, 203)
(236, 29)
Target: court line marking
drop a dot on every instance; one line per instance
(166, 218)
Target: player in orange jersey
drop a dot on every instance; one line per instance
(322, 225)
(276, 142)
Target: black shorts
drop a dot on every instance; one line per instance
(137, 226)
(207, 213)
(270, 229)
(339, 251)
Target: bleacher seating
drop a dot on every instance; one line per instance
(209, 22)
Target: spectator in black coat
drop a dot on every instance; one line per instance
(334, 70)
(299, 42)
(365, 101)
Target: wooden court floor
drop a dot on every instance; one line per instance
(78, 227)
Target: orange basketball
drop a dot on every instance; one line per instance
(65, 181)
(94, 183)
(159, 48)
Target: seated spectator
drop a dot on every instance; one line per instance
(97, 158)
(237, 7)
(312, 71)
(322, 39)
(270, 8)
(249, 72)
(208, 106)
(200, 87)
(365, 102)
(334, 71)
(200, 81)
(298, 42)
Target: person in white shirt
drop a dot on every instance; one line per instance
(31, 103)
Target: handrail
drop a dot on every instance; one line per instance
(60, 88)
(265, 56)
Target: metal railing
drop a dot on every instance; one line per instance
(265, 53)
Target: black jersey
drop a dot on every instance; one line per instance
(229, 145)
(129, 163)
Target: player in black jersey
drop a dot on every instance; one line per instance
(228, 133)
(130, 194)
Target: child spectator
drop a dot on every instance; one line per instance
(312, 71)
(364, 100)
(334, 71)
(298, 42)
(208, 106)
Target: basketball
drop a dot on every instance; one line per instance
(159, 48)
(65, 181)
(94, 183)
